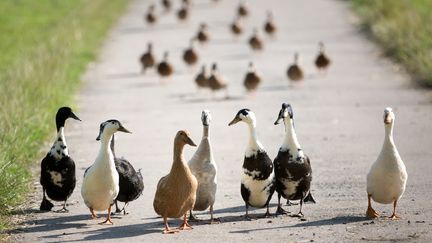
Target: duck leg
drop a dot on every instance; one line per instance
(185, 225)
(63, 209)
(280, 210)
(167, 229)
(117, 208)
(289, 203)
(299, 214)
(394, 216)
(45, 205)
(370, 212)
(124, 208)
(212, 219)
(192, 217)
(93, 215)
(267, 214)
(247, 213)
(108, 220)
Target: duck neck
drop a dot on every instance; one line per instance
(178, 154)
(112, 146)
(290, 142)
(205, 131)
(59, 148)
(388, 138)
(254, 144)
(105, 152)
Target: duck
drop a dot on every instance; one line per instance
(255, 41)
(201, 79)
(258, 180)
(131, 183)
(166, 4)
(57, 176)
(216, 81)
(242, 9)
(190, 55)
(295, 72)
(236, 26)
(202, 35)
(252, 79)
(293, 169)
(176, 192)
(183, 12)
(165, 68)
(147, 59)
(203, 167)
(100, 186)
(269, 25)
(387, 177)
(151, 16)
(322, 61)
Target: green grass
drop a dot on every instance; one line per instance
(404, 29)
(45, 47)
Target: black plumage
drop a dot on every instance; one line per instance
(293, 171)
(58, 178)
(130, 181)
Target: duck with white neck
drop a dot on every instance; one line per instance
(293, 170)
(386, 180)
(257, 183)
(203, 167)
(100, 185)
(58, 178)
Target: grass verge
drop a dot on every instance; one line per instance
(46, 45)
(403, 29)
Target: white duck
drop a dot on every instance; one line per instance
(203, 167)
(387, 177)
(100, 185)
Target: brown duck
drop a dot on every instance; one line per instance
(183, 12)
(236, 26)
(166, 4)
(252, 79)
(202, 35)
(295, 72)
(147, 59)
(322, 61)
(216, 81)
(255, 41)
(269, 26)
(201, 79)
(190, 55)
(151, 16)
(176, 192)
(242, 10)
(165, 68)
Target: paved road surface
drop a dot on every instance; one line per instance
(338, 121)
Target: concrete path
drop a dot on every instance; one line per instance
(338, 121)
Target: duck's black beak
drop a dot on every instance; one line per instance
(280, 117)
(72, 115)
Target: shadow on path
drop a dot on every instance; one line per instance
(322, 222)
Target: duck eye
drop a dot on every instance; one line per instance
(112, 122)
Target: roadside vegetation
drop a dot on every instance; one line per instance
(404, 30)
(45, 47)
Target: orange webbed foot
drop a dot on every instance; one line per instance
(394, 217)
(371, 213)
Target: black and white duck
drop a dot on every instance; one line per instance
(293, 170)
(100, 185)
(257, 183)
(387, 177)
(130, 181)
(57, 168)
